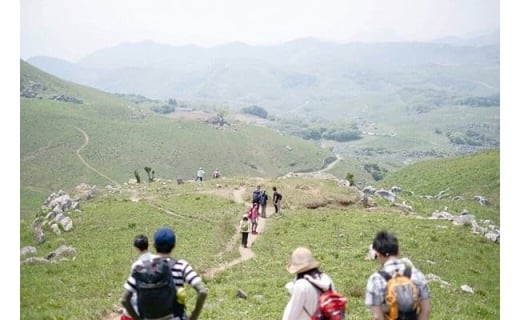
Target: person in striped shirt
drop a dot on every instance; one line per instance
(182, 273)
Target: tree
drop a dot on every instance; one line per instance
(256, 110)
(350, 178)
(221, 114)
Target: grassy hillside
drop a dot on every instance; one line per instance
(338, 232)
(102, 139)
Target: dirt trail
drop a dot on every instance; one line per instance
(245, 253)
(85, 162)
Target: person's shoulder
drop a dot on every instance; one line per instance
(180, 263)
(141, 259)
(375, 276)
(417, 275)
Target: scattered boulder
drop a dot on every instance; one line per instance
(482, 200)
(369, 190)
(241, 294)
(467, 288)
(27, 250)
(387, 195)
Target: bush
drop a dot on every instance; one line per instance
(256, 111)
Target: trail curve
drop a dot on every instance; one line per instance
(78, 153)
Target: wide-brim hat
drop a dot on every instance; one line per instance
(301, 261)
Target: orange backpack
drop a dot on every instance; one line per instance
(401, 295)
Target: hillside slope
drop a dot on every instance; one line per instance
(316, 213)
(70, 134)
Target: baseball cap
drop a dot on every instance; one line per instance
(164, 236)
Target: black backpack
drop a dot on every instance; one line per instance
(156, 291)
(256, 196)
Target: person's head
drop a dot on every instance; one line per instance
(244, 217)
(164, 240)
(302, 261)
(385, 245)
(141, 242)
(274, 188)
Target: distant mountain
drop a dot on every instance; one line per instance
(62, 68)
(487, 39)
(276, 77)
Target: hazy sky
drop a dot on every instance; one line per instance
(71, 29)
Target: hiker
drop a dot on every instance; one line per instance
(253, 217)
(263, 203)
(386, 249)
(256, 194)
(306, 287)
(181, 272)
(141, 245)
(277, 199)
(244, 227)
(216, 174)
(200, 175)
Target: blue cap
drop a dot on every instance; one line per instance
(164, 236)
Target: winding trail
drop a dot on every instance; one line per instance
(85, 135)
(245, 253)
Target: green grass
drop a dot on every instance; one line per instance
(205, 218)
(338, 232)
(124, 137)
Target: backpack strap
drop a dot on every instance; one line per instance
(385, 275)
(320, 292)
(408, 272)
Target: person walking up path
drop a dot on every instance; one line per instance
(245, 228)
(277, 200)
(263, 203)
(253, 216)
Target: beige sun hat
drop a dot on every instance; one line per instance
(301, 261)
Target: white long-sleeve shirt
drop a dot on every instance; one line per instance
(304, 297)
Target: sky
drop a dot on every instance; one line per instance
(72, 29)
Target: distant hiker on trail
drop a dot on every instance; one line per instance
(141, 245)
(253, 216)
(245, 227)
(169, 299)
(263, 204)
(277, 199)
(306, 287)
(256, 194)
(200, 175)
(386, 247)
(216, 174)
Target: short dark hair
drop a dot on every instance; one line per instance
(386, 243)
(274, 188)
(141, 242)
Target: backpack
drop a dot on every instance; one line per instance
(256, 195)
(245, 226)
(156, 291)
(331, 305)
(263, 198)
(401, 295)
